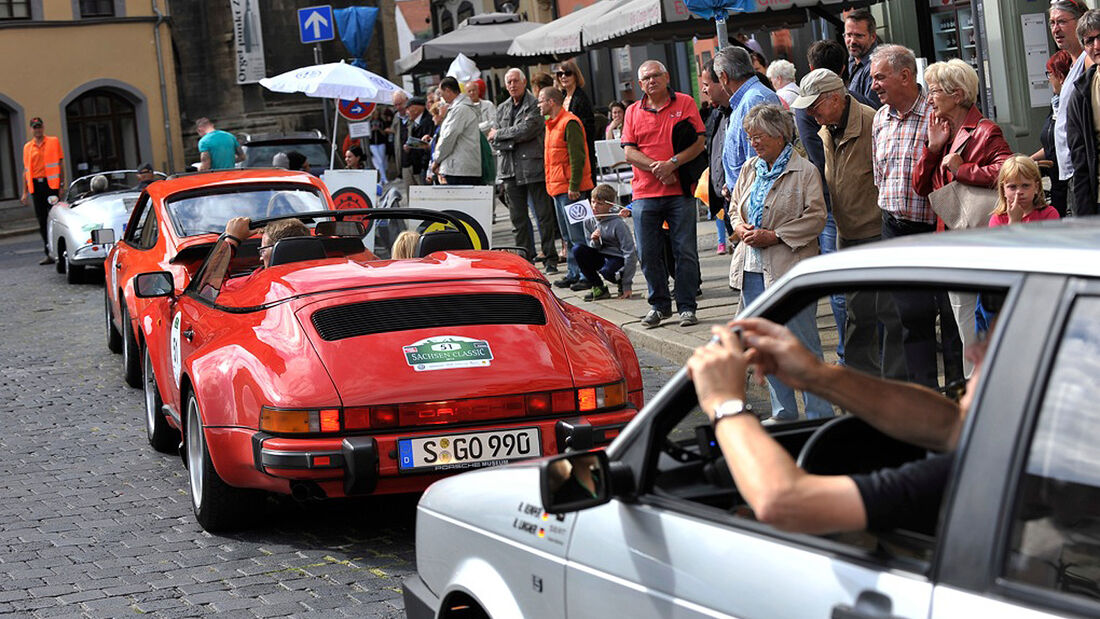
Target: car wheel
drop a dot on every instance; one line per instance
(131, 352)
(60, 264)
(114, 338)
(74, 273)
(162, 436)
(218, 506)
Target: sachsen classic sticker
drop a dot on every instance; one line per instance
(446, 352)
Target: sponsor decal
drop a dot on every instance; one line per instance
(446, 352)
(174, 344)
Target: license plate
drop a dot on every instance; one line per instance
(469, 450)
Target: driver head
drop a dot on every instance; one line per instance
(277, 230)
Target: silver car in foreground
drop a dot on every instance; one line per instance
(658, 529)
(71, 221)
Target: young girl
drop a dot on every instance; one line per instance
(1020, 191)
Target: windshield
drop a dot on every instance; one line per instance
(118, 180)
(316, 153)
(199, 214)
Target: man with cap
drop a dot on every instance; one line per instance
(846, 139)
(415, 149)
(44, 176)
(145, 176)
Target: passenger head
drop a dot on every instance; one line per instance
(276, 231)
(1019, 179)
(99, 184)
(297, 161)
(405, 245)
(280, 160)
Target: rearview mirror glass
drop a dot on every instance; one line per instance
(576, 481)
(103, 236)
(157, 284)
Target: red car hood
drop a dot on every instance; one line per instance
(286, 281)
(403, 364)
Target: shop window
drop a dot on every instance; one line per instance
(15, 9)
(9, 182)
(465, 11)
(97, 8)
(446, 21)
(102, 133)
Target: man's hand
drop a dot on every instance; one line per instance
(492, 134)
(239, 227)
(718, 370)
(23, 199)
(626, 294)
(574, 195)
(435, 167)
(595, 236)
(625, 213)
(663, 170)
(726, 192)
(773, 349)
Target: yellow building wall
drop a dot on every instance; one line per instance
(47, 64)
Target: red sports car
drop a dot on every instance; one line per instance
(335, 372)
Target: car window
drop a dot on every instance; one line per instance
(1055, 539)
(689, 465)
(317, 154)
(137, 223)
(149, 231)
(208, 212)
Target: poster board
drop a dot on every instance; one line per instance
(366, 181)
(473, 200)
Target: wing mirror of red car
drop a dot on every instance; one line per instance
(156, 284)
(103, 236)
(575, 481)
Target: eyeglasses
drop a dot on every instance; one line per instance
(650, 76)
(264, 248)
(937, 91)
(815, 107)
(1089, 41)
(564, 73)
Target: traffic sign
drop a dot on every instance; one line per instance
(354, 109)
(315, 24)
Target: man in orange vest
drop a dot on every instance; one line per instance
(568, 176)
(44, 173)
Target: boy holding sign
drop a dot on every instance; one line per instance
(610, 249)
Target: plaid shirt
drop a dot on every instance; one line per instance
(898, 141)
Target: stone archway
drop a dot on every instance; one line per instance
(106, 127)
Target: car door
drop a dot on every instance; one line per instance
(688, 548)
(135, 254)
(1040, 546)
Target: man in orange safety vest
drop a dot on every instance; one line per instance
(44, 174)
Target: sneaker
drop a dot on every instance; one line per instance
(565, 282)
(551, 267)
(721, 249)
(687, 318)
(46, 260)
(654, 318)
(620, 286)
(597, 293)
(580, 285)
(769, 421)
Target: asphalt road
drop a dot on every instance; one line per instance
(93, 522)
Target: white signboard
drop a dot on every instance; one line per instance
(365, 181)
(359, 130)
(1036, 54)
(475, 201)
(579, 211)
(249, 40)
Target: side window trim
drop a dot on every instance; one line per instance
(132, 235)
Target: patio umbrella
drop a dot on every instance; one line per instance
(718, 10)
(335, 80)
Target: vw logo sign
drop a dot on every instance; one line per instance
(578, 211)
(307, 74)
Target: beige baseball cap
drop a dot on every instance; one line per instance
(816, 83)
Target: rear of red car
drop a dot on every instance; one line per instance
(430, 382)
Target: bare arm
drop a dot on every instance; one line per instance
(204, 161)
(238, 156)
(636, 157)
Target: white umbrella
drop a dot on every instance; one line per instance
(335, 80)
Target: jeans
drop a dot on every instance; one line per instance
(532, 195)
(679, 212)
(378, 156)
(721, 225)
(593, 264)
(827, 240)
(571, 233)
(804, 326)
(40, 198)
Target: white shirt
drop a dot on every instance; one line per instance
(1061, 144)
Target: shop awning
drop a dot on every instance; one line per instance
(561, 37)
(483, 38)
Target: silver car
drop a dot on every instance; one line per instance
(83, 209)
(655, 526)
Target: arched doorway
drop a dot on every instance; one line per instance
(103, 133)
(10, 187)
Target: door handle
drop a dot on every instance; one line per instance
(869, 605)
(118, 266)
(189, 333)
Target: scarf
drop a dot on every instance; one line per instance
(765, 178)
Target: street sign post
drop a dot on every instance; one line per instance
(355, 110)
(315, 24)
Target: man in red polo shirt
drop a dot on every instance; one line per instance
(659, 195)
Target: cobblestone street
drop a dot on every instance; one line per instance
(95, 523)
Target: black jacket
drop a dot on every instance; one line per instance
(581, 107)
(716, 134)
(683, 136)
(1081, 137)
(417, 158)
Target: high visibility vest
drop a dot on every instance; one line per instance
(556, 156)
(52, 157)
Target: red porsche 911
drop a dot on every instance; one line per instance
(319, 366)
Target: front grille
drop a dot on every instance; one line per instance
(337, 323)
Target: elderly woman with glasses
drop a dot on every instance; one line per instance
(570, 81)
(778, 211)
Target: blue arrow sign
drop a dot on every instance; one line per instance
(315, 24)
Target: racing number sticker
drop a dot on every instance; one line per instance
(445, 352)
(353, 198)
(175, 346)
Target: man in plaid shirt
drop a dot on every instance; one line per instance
(899, 133)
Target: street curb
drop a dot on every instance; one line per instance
(18, 231)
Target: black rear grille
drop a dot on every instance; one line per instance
(337, 323)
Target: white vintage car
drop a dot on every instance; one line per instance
(657, 528)
(71, 221)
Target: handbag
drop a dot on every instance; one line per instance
(963, 206)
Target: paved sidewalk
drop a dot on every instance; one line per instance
(18, 227)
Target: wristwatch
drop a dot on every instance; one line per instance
(675, 160)
(730, 408)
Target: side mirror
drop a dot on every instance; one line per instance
(157, 284)
(103, 236)
(575, 481)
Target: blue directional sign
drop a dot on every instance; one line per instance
(315, 24)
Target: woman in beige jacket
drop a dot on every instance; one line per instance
(778, 211)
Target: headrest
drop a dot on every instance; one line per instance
(296, 248)
(442, 240)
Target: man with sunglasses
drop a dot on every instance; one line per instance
(237, 230)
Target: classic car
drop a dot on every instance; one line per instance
(71, 221)
(336, 371)
(657, 526)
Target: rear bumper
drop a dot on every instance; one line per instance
(358, 465)
(420, 602)
(89, 255)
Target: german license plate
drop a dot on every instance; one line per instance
(468, 450)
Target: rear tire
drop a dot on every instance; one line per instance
(74, 273)
(131, 352)
(162, 437)
(217, 505)
(59, 266)
(114, 338)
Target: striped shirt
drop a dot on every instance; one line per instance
(898, 140)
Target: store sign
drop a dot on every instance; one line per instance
(249, 40)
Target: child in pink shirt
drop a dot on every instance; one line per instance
(1020, 191)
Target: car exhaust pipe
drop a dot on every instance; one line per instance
(303, 491)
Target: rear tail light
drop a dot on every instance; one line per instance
(598, 398)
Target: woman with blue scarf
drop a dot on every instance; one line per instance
(778, 210)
